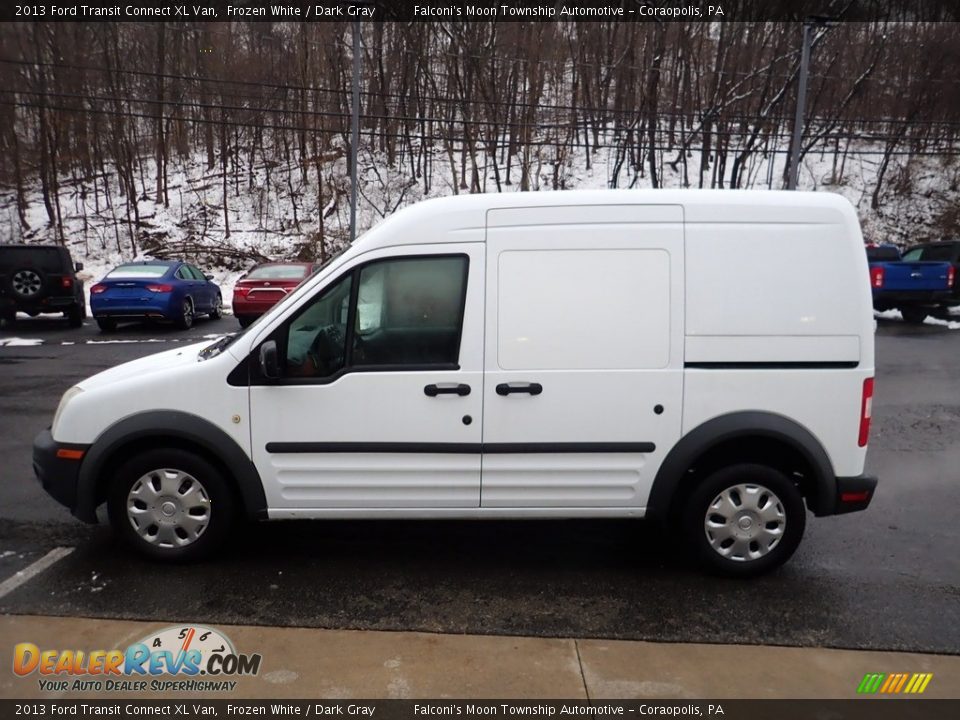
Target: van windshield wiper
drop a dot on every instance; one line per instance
(217, 346)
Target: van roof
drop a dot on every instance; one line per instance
(462, 218)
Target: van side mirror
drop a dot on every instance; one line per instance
(77, 267)
(269, 363)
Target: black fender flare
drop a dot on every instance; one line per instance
(175, 424)
(752, 423)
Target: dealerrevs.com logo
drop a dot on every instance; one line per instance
(196, 658)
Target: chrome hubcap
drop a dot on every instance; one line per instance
(168, 508)
(26, 282)
(745, 522)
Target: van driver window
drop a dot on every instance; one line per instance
(316, 342)
(409, 312)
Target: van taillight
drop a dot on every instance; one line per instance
(866, 411)
(951, 276)
(68, 282)
(876, 277)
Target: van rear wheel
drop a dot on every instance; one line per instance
(171, 504)
(744, 520)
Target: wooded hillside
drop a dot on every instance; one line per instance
(112, 109)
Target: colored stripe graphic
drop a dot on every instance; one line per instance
(903, 679)
(923, 679)
(894, 683)
(870, 683)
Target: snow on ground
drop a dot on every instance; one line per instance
(950, 324)
(930, 320)
(20, 342)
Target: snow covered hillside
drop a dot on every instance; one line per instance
(277, 212)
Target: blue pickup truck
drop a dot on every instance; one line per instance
(915, 288)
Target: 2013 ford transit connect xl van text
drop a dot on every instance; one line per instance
(704, 358)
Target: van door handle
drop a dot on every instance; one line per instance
(453, 389)
(529, 388)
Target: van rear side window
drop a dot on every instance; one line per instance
(583, 309)
(410, 311)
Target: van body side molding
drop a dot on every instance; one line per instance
(778, 365)
(458, 448)
(176, 425)
(738, 425)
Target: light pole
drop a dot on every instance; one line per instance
(794, 167)
(354, 130)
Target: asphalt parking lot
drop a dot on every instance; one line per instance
(888, 578)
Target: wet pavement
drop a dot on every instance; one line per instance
(888, 578)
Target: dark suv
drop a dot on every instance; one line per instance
(942, 251)
(40, 279)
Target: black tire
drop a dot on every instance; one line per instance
(790, 510)
(217, 311)
(914, 315)
(75, 316)
(245, 320)
(185, 320)
(106, 324)
(27, 283)
(214, 495)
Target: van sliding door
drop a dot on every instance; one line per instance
(583, 365)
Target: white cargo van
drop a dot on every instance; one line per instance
(704, 358)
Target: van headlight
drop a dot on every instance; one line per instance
(67, 397)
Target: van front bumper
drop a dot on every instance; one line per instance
(57, 467)
(854, 493)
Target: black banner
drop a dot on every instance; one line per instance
(189, 709)
(479, 10)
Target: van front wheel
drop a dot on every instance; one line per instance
(744, 520)
(170, 504)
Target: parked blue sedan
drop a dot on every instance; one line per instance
(173, 291)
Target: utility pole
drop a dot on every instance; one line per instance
(801, 104)
(808, 25)
(354, 130)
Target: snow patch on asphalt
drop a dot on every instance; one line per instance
(949, 324)
(20, 342)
